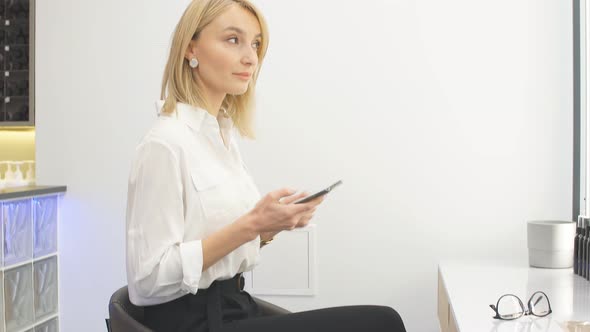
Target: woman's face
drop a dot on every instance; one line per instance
(226, 48)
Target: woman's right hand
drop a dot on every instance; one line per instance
(275, 213)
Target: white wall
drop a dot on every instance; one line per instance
(450, 123)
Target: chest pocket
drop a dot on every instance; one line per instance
(251, 186)
(217, 192)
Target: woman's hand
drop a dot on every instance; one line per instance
(275, 213)
(305, 218)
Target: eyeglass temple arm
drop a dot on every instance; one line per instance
(496, 311)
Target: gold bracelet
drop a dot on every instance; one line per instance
(265, 242)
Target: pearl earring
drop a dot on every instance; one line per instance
(194, 63)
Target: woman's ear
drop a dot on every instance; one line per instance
(191, 50)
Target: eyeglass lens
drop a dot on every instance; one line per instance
(510, 307)
(539, 304)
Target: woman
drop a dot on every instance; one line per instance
(195, 220)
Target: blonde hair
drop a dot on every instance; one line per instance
(178, 83)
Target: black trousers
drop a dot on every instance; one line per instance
(225, 307)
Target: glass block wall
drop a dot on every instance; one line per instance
(29, 261)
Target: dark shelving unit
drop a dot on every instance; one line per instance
(17, 39)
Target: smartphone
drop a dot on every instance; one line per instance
(318, 194)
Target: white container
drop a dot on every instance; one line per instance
(551, 243)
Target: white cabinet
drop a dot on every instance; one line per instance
(446, 317)
(467, 288)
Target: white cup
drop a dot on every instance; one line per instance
(9, 175)
(2, 171)
(19, 179)
(551, 243)
(30, 174)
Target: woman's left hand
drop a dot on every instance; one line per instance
(305, 218)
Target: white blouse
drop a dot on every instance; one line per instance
(184, 184)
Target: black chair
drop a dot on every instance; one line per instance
(124, 316)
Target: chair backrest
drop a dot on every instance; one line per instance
(127, 317)
(124, 315)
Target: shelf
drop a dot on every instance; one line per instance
(13, 45)
(13, 22)
(14, 97)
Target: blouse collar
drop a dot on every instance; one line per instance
(198, 118)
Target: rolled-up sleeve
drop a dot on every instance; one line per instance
(160, 265)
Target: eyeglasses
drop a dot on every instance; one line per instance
(511, 307)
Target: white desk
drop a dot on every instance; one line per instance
(466, 289)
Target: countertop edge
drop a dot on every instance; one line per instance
(29, 191)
